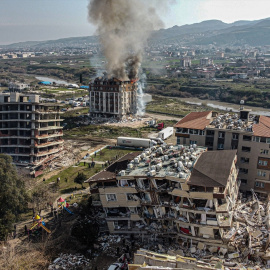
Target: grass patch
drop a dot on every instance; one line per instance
(68, 175)
(110, 154)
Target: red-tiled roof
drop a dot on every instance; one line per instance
(195, 120)
(262, 129)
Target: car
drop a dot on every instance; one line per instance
(64, 110)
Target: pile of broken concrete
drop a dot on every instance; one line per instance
(70, 262)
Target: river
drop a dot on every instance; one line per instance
(226, 106)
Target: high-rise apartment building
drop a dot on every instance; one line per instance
(30, 131)
(249, 134)
(112, 98)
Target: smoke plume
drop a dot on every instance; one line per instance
(123, 27)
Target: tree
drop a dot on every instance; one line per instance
(80, 178)
(13, 197)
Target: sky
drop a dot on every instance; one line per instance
(35, 20)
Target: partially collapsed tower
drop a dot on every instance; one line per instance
(112, 98)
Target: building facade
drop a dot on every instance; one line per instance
(17, 87)
(249, 134)
(112, 98)
(185, 62)
(30, 131)
(179, 192)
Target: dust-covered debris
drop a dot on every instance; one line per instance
(70, 261)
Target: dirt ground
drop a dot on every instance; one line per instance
(140, 122)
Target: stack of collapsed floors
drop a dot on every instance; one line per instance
(170, 191)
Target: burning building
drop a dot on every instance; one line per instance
(112, 98)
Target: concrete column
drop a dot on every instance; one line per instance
(114, 105)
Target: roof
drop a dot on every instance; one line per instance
(45, 82)
(212, 169)
(195, 120)
(113, 169)
(262, 129)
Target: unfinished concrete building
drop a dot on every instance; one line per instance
(169, 191)
(30, 131)
(112, 98)
(249, 134)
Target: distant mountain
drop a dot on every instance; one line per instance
(72, 41)
(254, 33)
(214, 31)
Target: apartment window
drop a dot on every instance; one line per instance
(261, 173)
(243, 170)
(221, 134)
(246, 138)
(267, 140)
(262, 162)
(244, 160)
(111, 197)
(256, 139)
(259, 184)
(220, 146)
(201, 132)
(235, 136)
(210, 133)
(178, 140)
(131, 197)
(246, 149)
(264, 151)
(243, 181)
(193, 142)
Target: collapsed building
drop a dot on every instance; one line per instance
(30, 131)
(249, 134)
(112, 98)
(169, 191)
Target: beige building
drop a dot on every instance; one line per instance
(169, 191)
(30, 131)
(112, 98)
(249, 134)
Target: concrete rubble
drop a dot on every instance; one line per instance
(70, 262)
(248, 245)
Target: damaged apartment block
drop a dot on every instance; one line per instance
(30, 131)
(249, 134)
(170, 191)
(112, 98)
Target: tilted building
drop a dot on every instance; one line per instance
(112, 98)
(249, 134)
(169, 191)
(30, 131)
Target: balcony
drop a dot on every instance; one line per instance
(223, 208)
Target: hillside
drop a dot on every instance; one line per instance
(254, 33)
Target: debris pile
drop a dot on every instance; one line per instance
(70, 262)
(249, 236)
